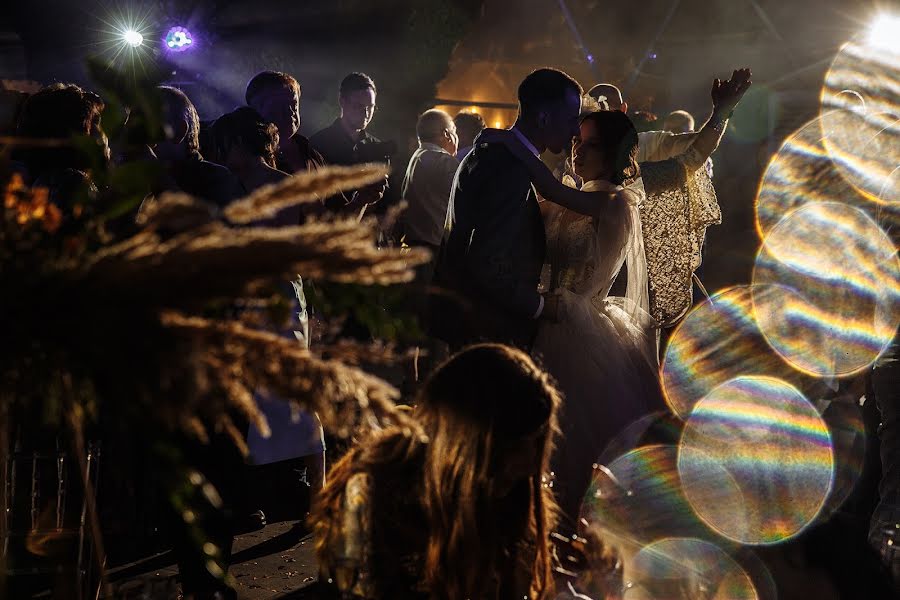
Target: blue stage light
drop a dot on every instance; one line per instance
(179, 39)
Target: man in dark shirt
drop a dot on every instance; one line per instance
(345, 141)
(180, 154)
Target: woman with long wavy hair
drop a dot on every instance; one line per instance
(458, 509)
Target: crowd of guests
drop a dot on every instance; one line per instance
(476, 515)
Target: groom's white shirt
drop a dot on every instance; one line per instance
(533, 150)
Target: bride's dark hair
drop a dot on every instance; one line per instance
(618, 141)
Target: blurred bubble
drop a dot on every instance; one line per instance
(718, 341)
(637, 498)
(658, 427)
(764, 437)
(801, 172)
(686, 568)
(826, 289)
(888, 212)
(755, 116)
(863, 139)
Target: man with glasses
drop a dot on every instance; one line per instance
(346, 141)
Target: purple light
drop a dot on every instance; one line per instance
(653, 56)
(178, 39)
(590, 58)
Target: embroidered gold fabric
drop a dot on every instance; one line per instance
(680, 205)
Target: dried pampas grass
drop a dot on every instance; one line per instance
(303, 187)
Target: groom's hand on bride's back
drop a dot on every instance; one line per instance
(551, 308)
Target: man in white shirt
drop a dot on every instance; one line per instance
(428, 181)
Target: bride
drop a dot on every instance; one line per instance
(601, 350)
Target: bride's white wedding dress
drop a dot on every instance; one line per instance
(602, 351)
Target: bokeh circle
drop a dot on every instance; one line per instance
(826, 289)
(863, 138)
(686, 568)
(716, 342)
(763, 436)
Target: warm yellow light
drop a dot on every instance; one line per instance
(884, 33)
(497, 124)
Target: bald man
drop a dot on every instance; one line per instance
(429, 178)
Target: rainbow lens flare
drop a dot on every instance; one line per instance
(864, 139)
(718, 341)
(762, 440)
(826, 291)
(801, 172)
(686, 568)
(637, 498)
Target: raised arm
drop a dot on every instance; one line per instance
(725, 97)
(592, 204)
(692, 149)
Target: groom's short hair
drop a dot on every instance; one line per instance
(544, 87)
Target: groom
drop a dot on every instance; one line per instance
(493, 246)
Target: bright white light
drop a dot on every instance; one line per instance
(133, 38)
(885, 33)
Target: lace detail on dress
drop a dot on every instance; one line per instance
(674, 218)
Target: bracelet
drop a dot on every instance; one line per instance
(721, 123)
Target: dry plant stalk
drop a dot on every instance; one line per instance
(344, 397)
(303, 187)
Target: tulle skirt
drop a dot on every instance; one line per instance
(604, 363)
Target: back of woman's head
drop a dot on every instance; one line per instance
(244, 128)
(59, 111)
(489, 388)
(618, 141)
(490, 415)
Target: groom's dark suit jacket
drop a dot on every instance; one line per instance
(491, 254)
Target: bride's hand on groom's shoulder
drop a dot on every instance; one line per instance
(495, 136)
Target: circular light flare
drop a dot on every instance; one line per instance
(837, 276)
(133, 38)
(859, 112)
(763, 436)
(687, 567)
(638, 498)
(716, 342)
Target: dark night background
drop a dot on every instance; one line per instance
(664, 52)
